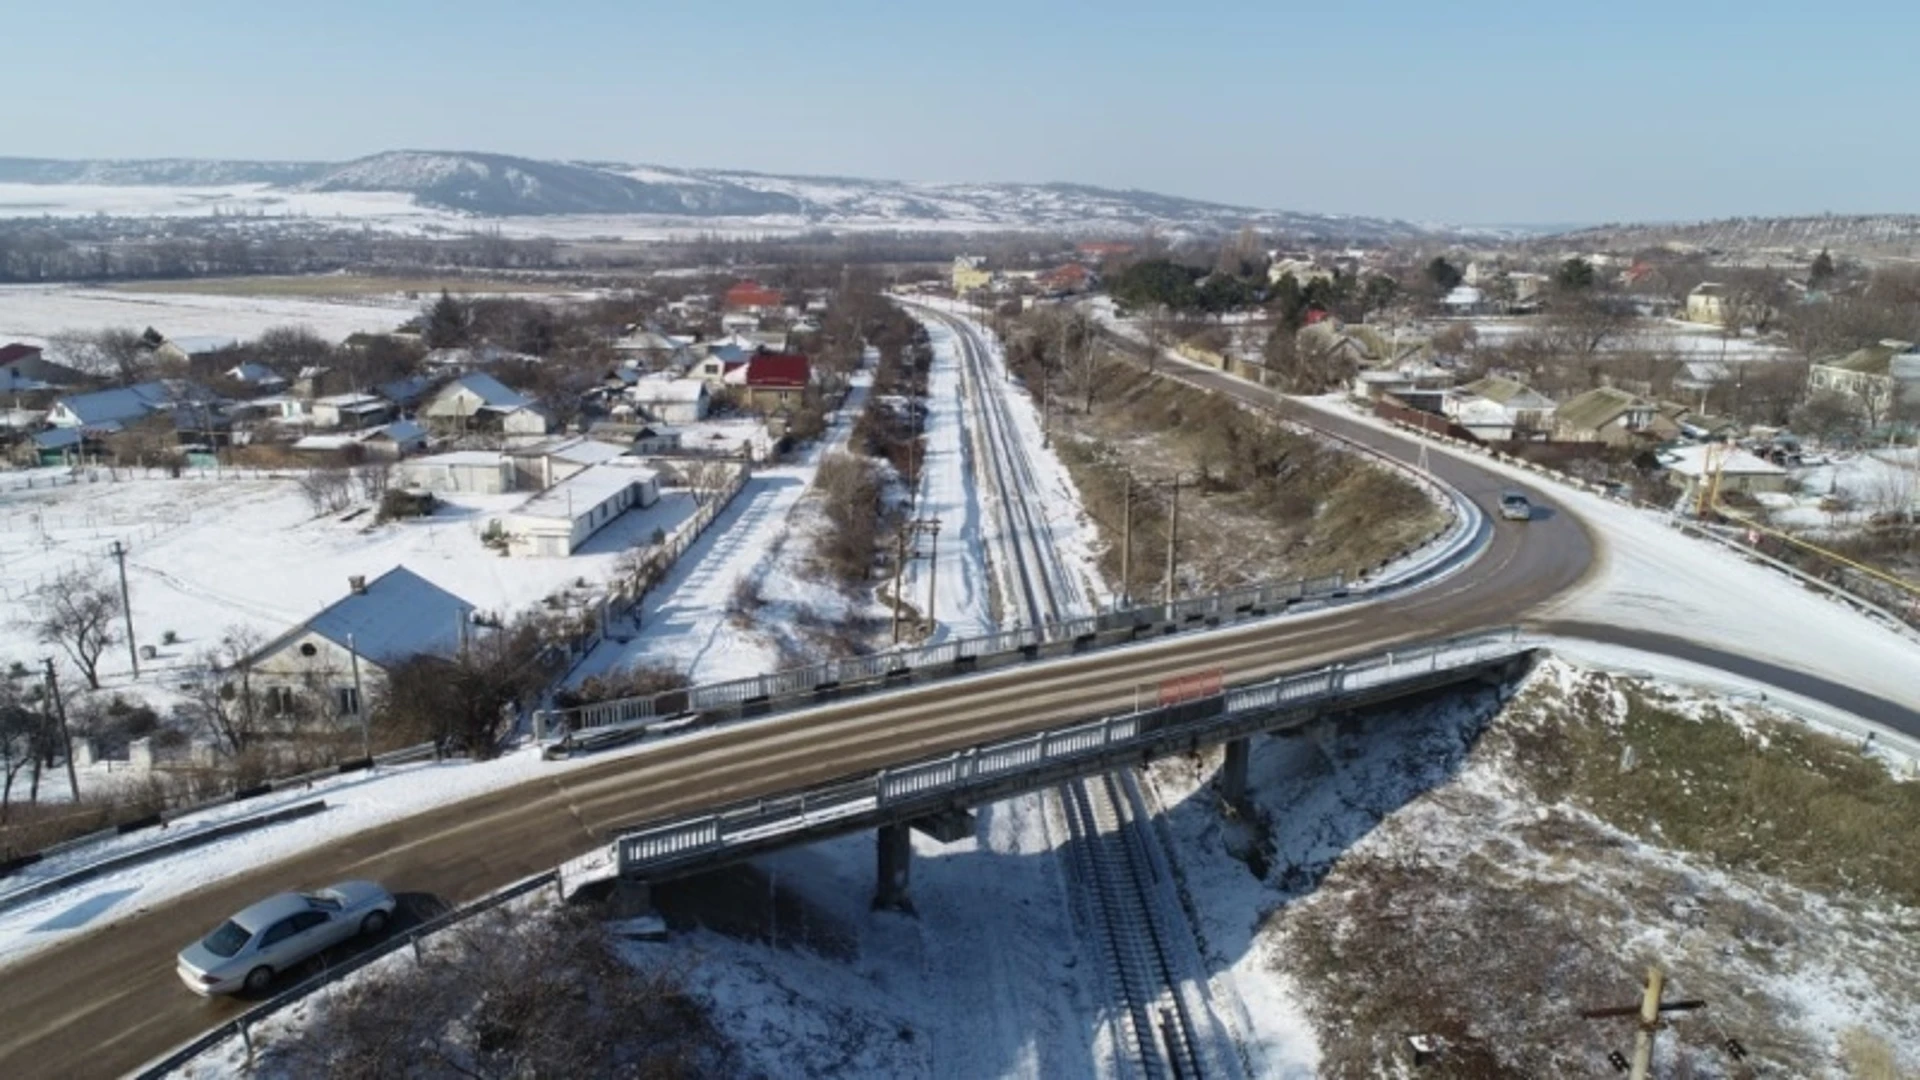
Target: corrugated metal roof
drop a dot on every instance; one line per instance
(400, 615)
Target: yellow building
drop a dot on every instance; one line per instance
(969, 274)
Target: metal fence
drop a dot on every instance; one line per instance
(1249, 602)
(242, 1027)
(678, 841)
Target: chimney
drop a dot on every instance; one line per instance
(358, 583)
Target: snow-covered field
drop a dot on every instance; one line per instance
(1869, 482)
(1689, 341)
(248, 553)
(35, 313)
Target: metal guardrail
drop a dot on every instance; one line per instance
(1234, 605)
(676, 842)
(241, 1027)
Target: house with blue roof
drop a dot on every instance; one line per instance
(335, 660)
(111, 410)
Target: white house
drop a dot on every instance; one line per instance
(1497, 409)
(379, 624)
(542, 465)
(557, 521)
(352, 411)
(1464, 300)
(474, 472)
(671, 401)
(1724, 466)
(477, 401)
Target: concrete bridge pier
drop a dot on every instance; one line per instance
(895, 866)
(1233, 771)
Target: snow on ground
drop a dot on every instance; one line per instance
(1651, 577)
(950, 492)
(721, 612)
(1874, 481)
(35, 313)
(1691, 341)
(209, 555)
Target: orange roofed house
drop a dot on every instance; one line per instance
(773, 380)
(751, 296)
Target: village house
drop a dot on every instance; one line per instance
(1872, 379)
(753, 298)
(257, 377)
(969, 274)
(1611, 416)
(1707, 304)
(1723, 467)
(556, 522)
(1065, 280)
(388, 442)
(477, 401)
(670, 401)
(651, 350)
(184, 350)
(1499, 410)
(24, 369)
(1464, 300)
(338, 659)
(350, 411)
(773, 380)
(111, 410)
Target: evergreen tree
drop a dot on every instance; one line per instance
(1575, 273)
(1444, 274)
(1821, 272)
(447, 323)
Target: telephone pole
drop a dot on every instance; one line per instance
(1647, 1014)
(907, 550)
(1173, 537)
(66, 734)
(119, 553)
(1126, 546)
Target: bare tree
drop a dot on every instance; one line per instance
(120, 355)
(77, 611)
(327, 489)
(373, 478)
(23, 736)
(223, 701)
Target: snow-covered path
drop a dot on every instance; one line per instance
(950, 492)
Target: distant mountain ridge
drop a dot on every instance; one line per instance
(500, 185)
(1890, 235)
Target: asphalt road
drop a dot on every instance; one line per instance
(109, 1001)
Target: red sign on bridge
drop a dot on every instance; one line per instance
(1192, 686)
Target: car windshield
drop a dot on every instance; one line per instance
(1513, 498)
(227, 940)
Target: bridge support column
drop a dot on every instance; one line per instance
(895, 864)
(1233, 771)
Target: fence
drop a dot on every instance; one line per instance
(1235, 605)
(677, 842)
(242, 1027)
(113, 474)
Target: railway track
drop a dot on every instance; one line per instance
(1162, 1020)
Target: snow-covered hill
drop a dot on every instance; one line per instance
(501, 186)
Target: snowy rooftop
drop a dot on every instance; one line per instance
(461, 457)
(585, 490)
(400, 614)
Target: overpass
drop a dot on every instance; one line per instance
(936, 792)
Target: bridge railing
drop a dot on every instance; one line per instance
(683, 840)
(943, 659)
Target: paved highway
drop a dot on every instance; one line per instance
(109, 1001)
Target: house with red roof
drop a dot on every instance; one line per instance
(773, 380)
(752, 297)
(1065, 279)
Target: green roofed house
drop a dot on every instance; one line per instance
(1872, 379)
(1612, 416)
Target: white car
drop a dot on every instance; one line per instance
(277, 933)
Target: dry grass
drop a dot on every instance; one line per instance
(1267, 503)
(334, 286)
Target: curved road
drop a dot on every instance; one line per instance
(108, 1001)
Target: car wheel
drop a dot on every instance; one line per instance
(373, 923)
(258, 978)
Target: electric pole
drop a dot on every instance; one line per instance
(1173, 537)
(1648, 1015)
(66, 735)
(119, 553)
(933, 570)
(1126, 546)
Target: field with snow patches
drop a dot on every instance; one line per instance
(1871, 482)
(250, 554)
(1689, 341)
(35, 313)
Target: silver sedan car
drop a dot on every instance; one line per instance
(277, 933)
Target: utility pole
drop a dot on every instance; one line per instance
(933, 570)
(66, 735)
(1126, 546)
(119, 553)
(899, 575)
(1173, 537)
(359, 702)
(1647, 1013)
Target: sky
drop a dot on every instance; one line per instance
(1469, 112)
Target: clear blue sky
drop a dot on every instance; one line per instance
(1477, 111)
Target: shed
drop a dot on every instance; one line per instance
(557, 521)
(671, 401)
(474, 472)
